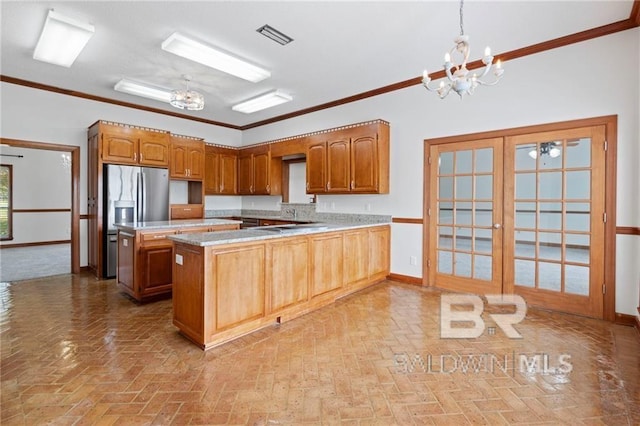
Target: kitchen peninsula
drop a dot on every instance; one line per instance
(227, 284)
(145, 254)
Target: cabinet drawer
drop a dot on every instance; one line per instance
(156, 237)
(187, 211)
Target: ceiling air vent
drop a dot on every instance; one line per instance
(275, 35)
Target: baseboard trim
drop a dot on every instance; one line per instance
(407, 279)
(626, 319)
(41, 243)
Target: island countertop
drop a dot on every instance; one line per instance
(174, 224)
(264, 233)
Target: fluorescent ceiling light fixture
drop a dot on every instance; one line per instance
(214, 58)
(145, 90)
(262, 102)
(62, 39)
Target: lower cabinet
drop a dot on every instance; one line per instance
(145, 261)
(221, 292)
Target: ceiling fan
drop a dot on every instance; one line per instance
(553, 149)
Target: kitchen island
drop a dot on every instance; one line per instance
(227, 284)
(145, 260)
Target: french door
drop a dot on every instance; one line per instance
(521, 214)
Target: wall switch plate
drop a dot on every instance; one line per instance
(413, 260)
(179, 259)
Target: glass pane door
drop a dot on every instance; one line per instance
(554, 205)
(465, 211)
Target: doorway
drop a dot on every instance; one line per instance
(74, 153)
(523, 213)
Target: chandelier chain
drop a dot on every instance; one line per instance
(461, 18)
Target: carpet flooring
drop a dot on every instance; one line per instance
(25, 263)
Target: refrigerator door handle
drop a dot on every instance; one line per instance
(143, 190)
(139, 196)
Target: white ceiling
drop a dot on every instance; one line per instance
(339, 49)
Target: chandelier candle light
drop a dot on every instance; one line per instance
(458, 75)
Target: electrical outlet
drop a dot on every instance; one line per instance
(333, 205)
(413, 260)
(367, 207)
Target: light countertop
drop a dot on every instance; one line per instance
(174, 224)
(263, 233)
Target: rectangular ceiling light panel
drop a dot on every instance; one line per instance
(145, 90)
(62, 39)
(267, 100)
(214, 58)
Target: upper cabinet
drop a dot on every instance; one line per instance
(258, 172)
(220, 171)
(187, 158)
(350, 160)
(132, 145)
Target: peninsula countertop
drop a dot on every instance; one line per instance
(174, 224)
(264, 232)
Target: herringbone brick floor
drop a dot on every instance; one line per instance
(76, 351)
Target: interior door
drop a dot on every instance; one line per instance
(465, 216)
(554, 219)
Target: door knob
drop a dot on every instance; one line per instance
(497, 226)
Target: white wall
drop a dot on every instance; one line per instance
(588, 79)
(594, 78)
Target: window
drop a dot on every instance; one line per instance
(6, 213)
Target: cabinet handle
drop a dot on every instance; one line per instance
(186, 210)
(221, 187)
(353, 184)
(251, 188)
(268, 188)
(328, 186)
(307, 186)
(155, 237)
(135, 157)
(141, 158)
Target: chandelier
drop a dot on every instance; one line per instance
(187, 99)
(458, 75)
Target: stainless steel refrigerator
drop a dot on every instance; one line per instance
(131, 194)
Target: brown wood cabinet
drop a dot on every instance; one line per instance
(220, 171)
(351, 160)
(187, 158)
(225, 291)
(258, 173)
(145, 260)
(187, 211)
(130, 145)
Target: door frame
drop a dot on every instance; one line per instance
(611, 135)
(75, 189)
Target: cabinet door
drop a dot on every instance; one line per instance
(316, 168)
(326, 264)
(239, 275)
(120, 147)
(155, 269)
(262, 173)
(179, 161)
(338, 165)
(356, 256)
(288, 273)
(212, 173)
(188, 292)
(154, 149)
(245, 175)
(195, 163)
(364, 164)
(228, 174)
(379, 252)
